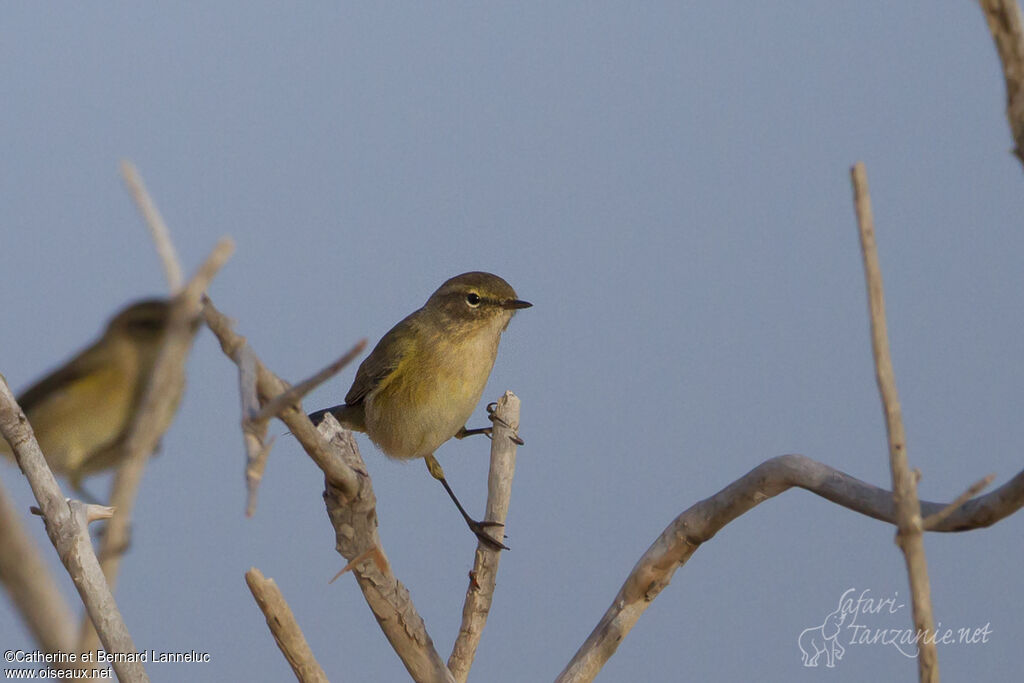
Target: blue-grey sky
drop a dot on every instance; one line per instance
(666, 182)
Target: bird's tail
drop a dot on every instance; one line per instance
(318, 416)
(350, 417)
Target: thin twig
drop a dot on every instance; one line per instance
(699, 523)
(483, 576)
(351, 506)
(1004, 22)
(157, 228)
(269, 385)
(129, 475)
(354, 518)
(66, 526)
(909, 534)
(255, 465)
(255, 420)
(285, 629)
(933, 520)
(296, 392)
(254, 432)
(157, 401)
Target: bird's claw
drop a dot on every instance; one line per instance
(491, 407)
(478, 528)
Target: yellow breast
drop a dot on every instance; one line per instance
(83, 417)
(432, 392)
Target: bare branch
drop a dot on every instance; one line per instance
(254, 433)
(270, 385)
(255, 419)
(284, 628)
(30, 584)
(351, 504)
(933, 520)
(354, 518)
(67, 528)
(162, 390)
(1004, 22)
(295, 393)
(699, 523)
(157, 228)
(909, 534)
(483, 576)
(255, 465)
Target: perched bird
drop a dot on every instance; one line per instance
(81, 412)
(424, 378)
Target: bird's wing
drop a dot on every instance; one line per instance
(386, 356)
(86, 362)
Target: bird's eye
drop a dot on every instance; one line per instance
(473, 299)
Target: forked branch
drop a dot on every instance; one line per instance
(351, 506)
(67, 526)
(681, 538)
(909, 527)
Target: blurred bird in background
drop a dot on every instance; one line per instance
(82, 411)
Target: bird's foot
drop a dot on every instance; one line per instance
(479, 528)
(491, 407)
(489, 431)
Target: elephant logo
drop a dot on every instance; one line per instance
(824, 639)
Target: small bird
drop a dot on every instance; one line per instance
(424, 378)
(81, 412)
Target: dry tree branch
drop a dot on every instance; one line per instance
(144, 434)
(1004, 22)
(482, 577)
(295, 393)
(30, 584)
(123, 490)
(285, 629)
(157, 228)
(255, 419)
(351, 506)
(67, 526)
(254, 433)
(933, 520)
(145, 431)
(270, 385)
(129, 475)
(699, 523)
(168, 373)
(10, 534)
(909, 534)
(354, 518)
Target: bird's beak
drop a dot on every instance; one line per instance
(513, 304)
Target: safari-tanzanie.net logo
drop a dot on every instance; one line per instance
(861, 620)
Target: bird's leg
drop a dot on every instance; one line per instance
(478, 528)
(463, 432)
